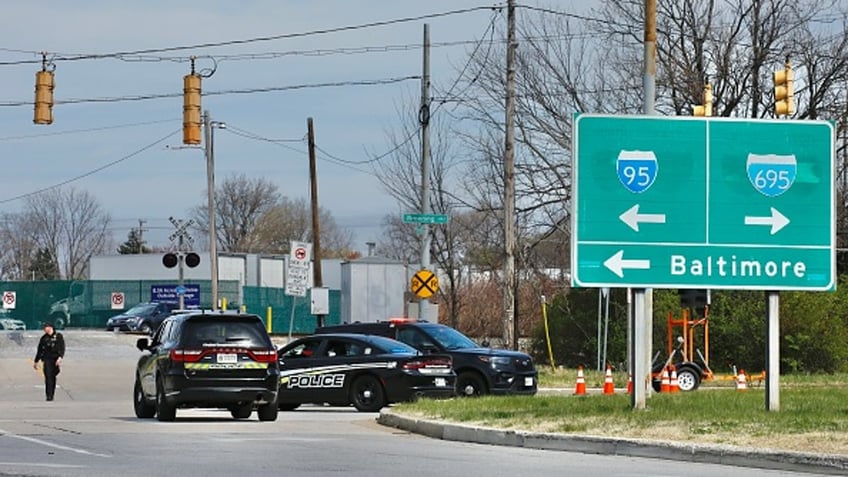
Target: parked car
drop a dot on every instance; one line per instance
(479, 370)
(143, 317)
(207, 360)
(368, 372)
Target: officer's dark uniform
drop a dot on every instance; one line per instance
(50, 349)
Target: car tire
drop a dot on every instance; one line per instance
(241, 411)
(469, 384)
(367, 394)
(146, 328)
(288, 406)
(143, 410)
(165, 411)
(268, 412)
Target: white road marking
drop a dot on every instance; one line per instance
(50, 444)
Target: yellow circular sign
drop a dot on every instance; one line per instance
(424, 284)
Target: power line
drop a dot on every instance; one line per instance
(285, 36)
(87, 130)
(91, 172)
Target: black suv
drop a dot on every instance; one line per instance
(478, 370)
(144, 317)
(208, 360)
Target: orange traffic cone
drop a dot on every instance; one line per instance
(629, 383)
(665, 384)
(609, 386)
(673, 385)
(581, 382)
(741, 381)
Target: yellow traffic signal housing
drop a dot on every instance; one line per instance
(784, 95)
(705, 109)
(191, 109)
(43, 97)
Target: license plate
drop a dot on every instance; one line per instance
(528, 382)
(441, 382)
(228, 358)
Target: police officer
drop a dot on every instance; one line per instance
(51, 349)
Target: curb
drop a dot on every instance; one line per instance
(702, 453)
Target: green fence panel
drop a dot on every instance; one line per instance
(258, 299)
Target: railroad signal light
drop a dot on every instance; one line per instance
(705, 109)
(784, 94)
(44, 85)
(191, 107)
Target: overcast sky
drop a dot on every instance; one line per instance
(128, 154)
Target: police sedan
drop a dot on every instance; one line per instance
(366, 371)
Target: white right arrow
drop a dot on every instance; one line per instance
(617, 264)
(777, 221)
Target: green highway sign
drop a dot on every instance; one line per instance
(686, 202)
(425, 218)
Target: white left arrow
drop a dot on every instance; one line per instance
(632, 217)
(776, 220)
(617, 264)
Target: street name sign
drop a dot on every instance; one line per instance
(425, 218)
(686, 202)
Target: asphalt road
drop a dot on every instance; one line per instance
(90, 430)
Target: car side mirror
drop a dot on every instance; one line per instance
(485, 343)
(142, 344)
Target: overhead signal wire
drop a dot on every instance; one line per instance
(93, 171)
(283, 36)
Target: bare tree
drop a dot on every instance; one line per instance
(70, 225)
(290, 220)
(19, 247)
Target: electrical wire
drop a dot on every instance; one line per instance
(93, 171)
(87, 130)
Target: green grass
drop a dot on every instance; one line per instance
(813, 414)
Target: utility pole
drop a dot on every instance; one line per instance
(424, 121)
(141, 230)
(316, 229)
(210, 186)
(509, 184)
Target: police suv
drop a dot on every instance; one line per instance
(479, 370)
(368, 372)
(210, 360)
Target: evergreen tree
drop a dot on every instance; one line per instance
(44, 265)
(133, 245)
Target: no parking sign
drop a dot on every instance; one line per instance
(117, 300)
(9, 299)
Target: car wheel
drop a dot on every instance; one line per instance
(268, 412)
(367, 394)
(241, 411)
(470, 384)
(165, 411)
(146, 328)
(143, 410)
(288, 406)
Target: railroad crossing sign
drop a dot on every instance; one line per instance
(687, 202)
(117, 300)
(9, 299)
(424, 283)
(182, 231)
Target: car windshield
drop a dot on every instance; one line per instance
(449, 338)
(141, 309)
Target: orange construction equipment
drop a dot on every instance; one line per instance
(609, 386)
(665, 384)
(673, 386)
(741, 381)
(629, 383)
(580, 388)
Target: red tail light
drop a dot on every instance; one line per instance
(186, 355)
(263, 356)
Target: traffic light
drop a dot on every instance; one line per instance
(705, 109)
(191, 107)
(696, 299)
(784, 94)
(43, 95)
